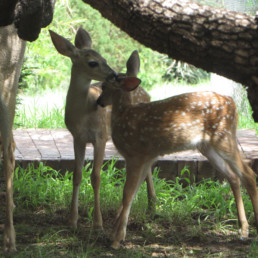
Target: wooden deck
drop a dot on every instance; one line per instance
(55, 149)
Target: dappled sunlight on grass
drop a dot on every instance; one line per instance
(196, 220)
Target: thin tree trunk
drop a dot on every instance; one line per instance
(216, 40)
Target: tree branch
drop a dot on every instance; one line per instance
(215, 40)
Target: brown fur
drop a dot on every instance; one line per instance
(87, 122)
(204, 120)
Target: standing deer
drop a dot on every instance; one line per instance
(87, 122)
(205, 121)
(12, 50)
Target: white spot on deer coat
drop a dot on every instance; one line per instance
(196, 140)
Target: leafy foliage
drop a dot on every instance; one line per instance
(45, 69)
(247, 6)
(51, 70)
(213, 3)
(183, 72)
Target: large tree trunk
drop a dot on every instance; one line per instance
(216, 40)
(28, 16)
(12, 50)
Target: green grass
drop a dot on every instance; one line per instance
(38, 117)
(46, 187)
(203, 212)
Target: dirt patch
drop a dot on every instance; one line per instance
(43, 233)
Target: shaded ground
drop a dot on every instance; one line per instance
(43, 233)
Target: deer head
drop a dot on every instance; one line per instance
(127, 82)
(83, 57)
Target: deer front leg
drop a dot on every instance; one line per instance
(99, 150)
(135, 175)
(9, 232)
(150, 190)
(79, 153)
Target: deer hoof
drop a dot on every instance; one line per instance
(244, 234)
(115, 245)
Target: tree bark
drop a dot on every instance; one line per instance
(7, 11)
(215, 40)
(18, 20)
(29, 16)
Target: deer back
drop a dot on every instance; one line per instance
(174, 124)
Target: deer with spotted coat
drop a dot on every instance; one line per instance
(87, 122)
(205, 121)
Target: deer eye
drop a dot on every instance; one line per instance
(93, 64)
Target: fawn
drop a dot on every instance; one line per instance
(87, 122)
(200, 120)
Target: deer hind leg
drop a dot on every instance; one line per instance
(248, 178)
(135, 175)
(217, 159)
(9, 163)
(150, 189)
(79, 152)
(99, 150)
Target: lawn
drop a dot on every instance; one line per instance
(194, 221)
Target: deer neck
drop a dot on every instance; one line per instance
(79, 82)
(77, 95)
(121, 102)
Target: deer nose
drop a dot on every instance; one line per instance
(113, 75)
(99, 102)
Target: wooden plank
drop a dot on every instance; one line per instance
(168, 169)
(205, 170)
(111, 151)
(25, 145)
(55, 147)
(64, 143)
(44, 143)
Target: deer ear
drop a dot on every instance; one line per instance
(82, 39)
(133, 64)
(130, 83)
(62, 45)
